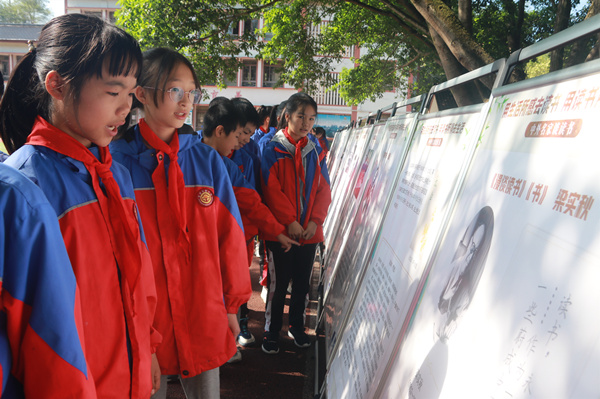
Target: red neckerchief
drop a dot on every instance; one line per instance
(120, 221)
(169, 196)
(263, 129)
(298, 155)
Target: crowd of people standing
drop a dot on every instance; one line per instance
(126, 247)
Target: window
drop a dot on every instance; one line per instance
(4, 65)
(93, 13)
(271, 75)
(111, 17)
(234, 29)
(231, 80)
(323, 95)
(250, 26)
(249, 73)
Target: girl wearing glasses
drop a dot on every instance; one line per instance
(192, 224)
(62, 107)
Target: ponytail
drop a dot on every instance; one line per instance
(24, 98)
(278, 117)
(75, 46)
(282, 123)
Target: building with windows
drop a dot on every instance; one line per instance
(13, 44)
(104, 9)
(254, 81)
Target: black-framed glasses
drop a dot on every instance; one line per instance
(176, 94)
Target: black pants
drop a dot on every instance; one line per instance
(296, 264)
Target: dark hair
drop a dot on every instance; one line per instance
(222, 113)
(158, 66)
(245, 106)
(74, 45)
(276, 113)
(263, 112)
(1, 84)
(296, 101)
(217, 100)
(320, 131)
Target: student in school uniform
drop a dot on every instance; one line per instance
(276, 115)
(264, 118)
(274, 119)
(41, 336)
(249, 156)
(321, 136)
(296, 190)
(62, 107)
(192, 225)
(256, 217)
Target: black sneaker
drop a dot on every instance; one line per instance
(300, 338)
(245, 338)
(270, 346)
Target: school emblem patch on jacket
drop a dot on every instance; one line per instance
(205, 197)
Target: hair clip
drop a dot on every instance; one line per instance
(31, 46)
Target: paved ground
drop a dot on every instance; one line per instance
(289, 375)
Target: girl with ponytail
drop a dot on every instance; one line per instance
(63, 104)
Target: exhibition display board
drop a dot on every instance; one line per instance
(441, 147)
(346, 175)
(336, 153)
(510, 305)
(360, 233)
(472, 270)
(347, 210)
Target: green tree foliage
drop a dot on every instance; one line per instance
(203, 30)
(24, 11)
(426, 39)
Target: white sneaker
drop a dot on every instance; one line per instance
(236, 358)
(263, 294)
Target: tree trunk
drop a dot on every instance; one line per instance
(459, 42)
(563, 12)
(465, 15)
(594, 9)
(463, 94)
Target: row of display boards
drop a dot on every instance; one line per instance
(463, 246)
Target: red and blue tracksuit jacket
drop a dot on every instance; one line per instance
(119, 339)
(194, 298)
(255, 215)
(324, 143)
(245, 163)
(259, 133)
(283, 191)
(41, 332)
(264, 140)
(251, 148)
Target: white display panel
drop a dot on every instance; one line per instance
(353, 154)
(336, 154)
(347, 211)
(359, 234)
(421, 199)
(510, 305)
